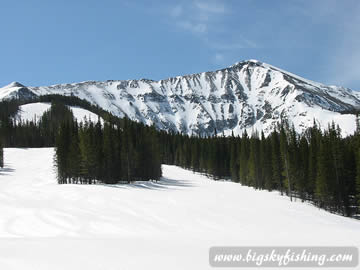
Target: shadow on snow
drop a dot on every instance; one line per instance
(163, 184)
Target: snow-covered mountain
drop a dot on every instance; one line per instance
(248, 95)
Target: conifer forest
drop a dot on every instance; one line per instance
(318, 166)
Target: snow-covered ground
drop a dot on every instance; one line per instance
(34, 112)
(166, 225)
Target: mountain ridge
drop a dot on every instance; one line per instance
(247, 95)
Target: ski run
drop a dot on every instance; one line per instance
(169, 224)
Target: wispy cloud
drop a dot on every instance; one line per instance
(197, 16)
(206, 20)
(210, 6)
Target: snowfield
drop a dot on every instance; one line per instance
(34, 112)
(249, 95)
(166, 225)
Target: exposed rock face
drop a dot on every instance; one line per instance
(16, 90)
(248, 95)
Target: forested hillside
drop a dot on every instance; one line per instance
(321, 167)
(41, 133)
(119, 150)
(88, 153)
(317, 166)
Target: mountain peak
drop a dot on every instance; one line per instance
(249, 61)
(250, 95)
(14, 84)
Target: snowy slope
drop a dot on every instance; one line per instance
(248, 95)
(34, 111)
(15, 90)
(166, 225)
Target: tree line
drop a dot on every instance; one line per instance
(119, 150)
(88, 153)
(41, 132)
(317, 166)
(1, 155)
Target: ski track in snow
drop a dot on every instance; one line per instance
(170, 224)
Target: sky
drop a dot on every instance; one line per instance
(50, 42)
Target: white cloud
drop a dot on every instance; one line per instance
(210, 6)
(206, 19)
(196, 17)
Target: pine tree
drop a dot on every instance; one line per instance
(74, 158)
(284, 149)
(63, 141)
(155, 165)
(1, 155)
(244, 157)
(128, 155)
(97, 144)
(195, 154)
(326, 175)
(349, 176)
(303, 169)
(254, 162)
(211, 158)
(314, 137)
(234, 158)
(358, 177)
(266, 163)
(88, 153)
(277, 164)
(337, 160)
(110, 162)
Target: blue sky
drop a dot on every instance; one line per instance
(49, 42)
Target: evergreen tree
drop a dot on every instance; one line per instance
(234, 158)
(303, 168)
(266, 163)
(358, 177)
(254, 175)
(63, 141)
(195, 154)
(1, 155)
(349, 176)
(284, 149)
(325, 180)
(244, 157)
(337, 149)
(111, 162)
(314, 137)
(74, 157)
(277, 166)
